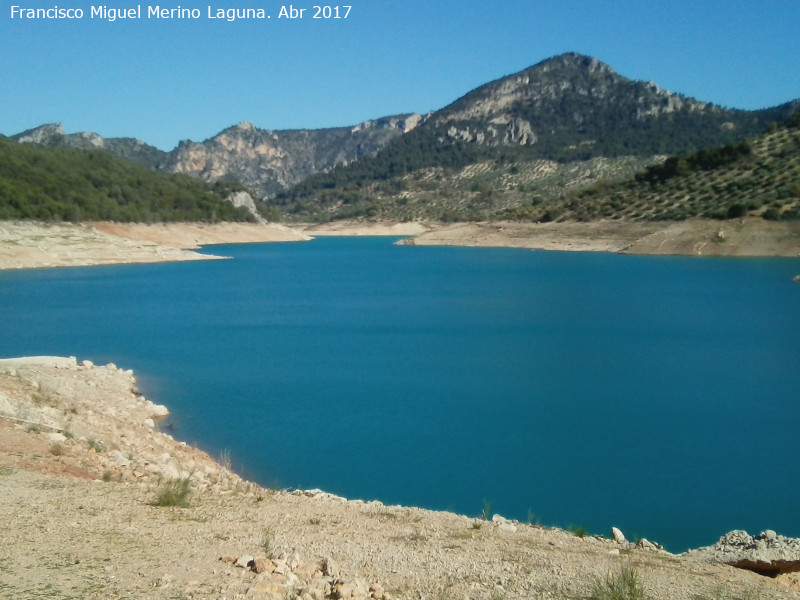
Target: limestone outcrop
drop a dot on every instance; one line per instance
(767, 553)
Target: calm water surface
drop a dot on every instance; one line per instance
(660, 395)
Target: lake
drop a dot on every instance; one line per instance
(660, 395)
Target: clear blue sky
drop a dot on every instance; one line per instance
(164, 81)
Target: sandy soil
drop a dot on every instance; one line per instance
(26, 245)
(36, 245)
(749, 237)
(365, 228)
(81, 464)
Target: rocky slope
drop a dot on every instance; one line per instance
(264, 161)
(83, 467)
(569, 107)
(520, 142)
(575, 103)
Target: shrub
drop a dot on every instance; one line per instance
(174, 492)
(622, 585)
(57, 449)
(737, 210)
(95, 445)
(580, 532)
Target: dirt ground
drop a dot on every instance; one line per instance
(746, 237)
(35, 245)
(82, 464)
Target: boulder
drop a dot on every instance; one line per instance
(618, 536)
(263, 565)
(243, 561)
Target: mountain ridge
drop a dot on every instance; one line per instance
(566, 108)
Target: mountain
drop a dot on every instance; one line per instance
(266, 162)
(576, 107)
(132, 150)
(567, 110)
(525, 140)
(67, 184)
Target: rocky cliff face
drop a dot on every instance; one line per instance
(268, 162)
(265, 161)
(572, 100)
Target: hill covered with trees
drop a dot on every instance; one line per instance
(572, 111)
(91, 185)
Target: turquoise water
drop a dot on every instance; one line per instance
(659, 395)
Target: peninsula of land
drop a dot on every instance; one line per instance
(98, 501)
(30, 245)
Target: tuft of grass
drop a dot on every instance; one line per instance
(486, 513)
(621, 585)
(268, 544)
(533, 519)
(225, 459)
(106, 476)
(96, 445)
(174, 492)
(577, 531)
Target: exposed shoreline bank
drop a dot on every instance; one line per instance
(28, 245)
(80, 472)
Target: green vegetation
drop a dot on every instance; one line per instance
(570, 112)
(577, 531)
(757, 177)
(84, 185)
(174, 492)
(622, 585)
(95, 445)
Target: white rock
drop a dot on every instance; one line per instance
(618, 536)
(149, 423)
(158, 410)
(55, 437)
(121, 459)
(243, 561)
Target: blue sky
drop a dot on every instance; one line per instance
(164, 81)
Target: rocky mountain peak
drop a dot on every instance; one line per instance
(44, 134)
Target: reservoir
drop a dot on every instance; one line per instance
(660, 395)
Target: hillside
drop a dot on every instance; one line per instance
(522, 140)
(91, 185)
(266, 162)
(96, 502)
(569, 110)
(757, 177)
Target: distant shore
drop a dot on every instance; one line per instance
(29, 245)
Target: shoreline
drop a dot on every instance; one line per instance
(81, 480)
(30, 245)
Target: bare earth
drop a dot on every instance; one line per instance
(81, 464)
(747, 237)
(26, 245)
(35, 245)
